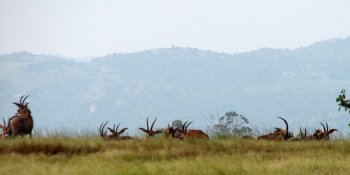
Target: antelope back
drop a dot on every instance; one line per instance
(196, 134)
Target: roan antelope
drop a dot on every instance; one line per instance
(278, 134)
(149, 131)
(22, 122)
(192, 133)
(115, 134)
(5, 129)
(326, 132)
(171, 131)
(304, 137)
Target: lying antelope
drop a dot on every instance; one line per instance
(278, 134)
(171, 131)
(304, 137)
(149, 131)
(326, 132)
(22, 122)
(192, 133)
(5, 129)
(115, 134)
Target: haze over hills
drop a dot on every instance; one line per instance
(181, 83)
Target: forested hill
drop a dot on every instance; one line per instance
(181, 83)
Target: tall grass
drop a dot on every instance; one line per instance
(91, 155)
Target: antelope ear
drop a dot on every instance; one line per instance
(18, 105)
(332, 130)
(122, 130)
(111, 130)
(278, 129)
(144, 130)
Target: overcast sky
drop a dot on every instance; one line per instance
(79, 28)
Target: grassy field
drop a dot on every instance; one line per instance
(68, 155)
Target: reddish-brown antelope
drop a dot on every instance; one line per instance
(115, 134)
(192, 133)
(278, 134)
(5, 129)
(149, 131)
(326, 132)
(22, 122)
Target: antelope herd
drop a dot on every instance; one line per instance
(281, 134)
(21, 124)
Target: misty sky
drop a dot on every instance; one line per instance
(79, 28)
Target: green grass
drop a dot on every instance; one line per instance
(68, 155)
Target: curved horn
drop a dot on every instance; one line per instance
(102, 126)
(285, 121)
(24, 99)
(183, 126)
(301, 133)
(153, 123)
(20, 100)
(4, 122)
(327, 126)
(147, 123)
(116, 129)
(187, 126)
(324, 128)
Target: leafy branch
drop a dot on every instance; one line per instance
(342, 101)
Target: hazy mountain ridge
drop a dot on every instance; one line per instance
(183, 83)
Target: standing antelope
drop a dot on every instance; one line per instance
(115, 134)
(149, 131)
(22, 122)
(192, 133)
(278, 134)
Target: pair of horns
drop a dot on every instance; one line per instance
(21, 103)
(151, 125)
(303, 135)
(325, 129)
(185, 126)
(101, 130)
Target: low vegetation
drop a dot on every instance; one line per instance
(73, 155)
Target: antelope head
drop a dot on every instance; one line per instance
(23, 108)
(149, 131)
(326, 132)
(171, 131)
(192, 133)
(5, 129)
(115, 134)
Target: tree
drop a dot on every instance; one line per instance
(231, 123)
(342, 102)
